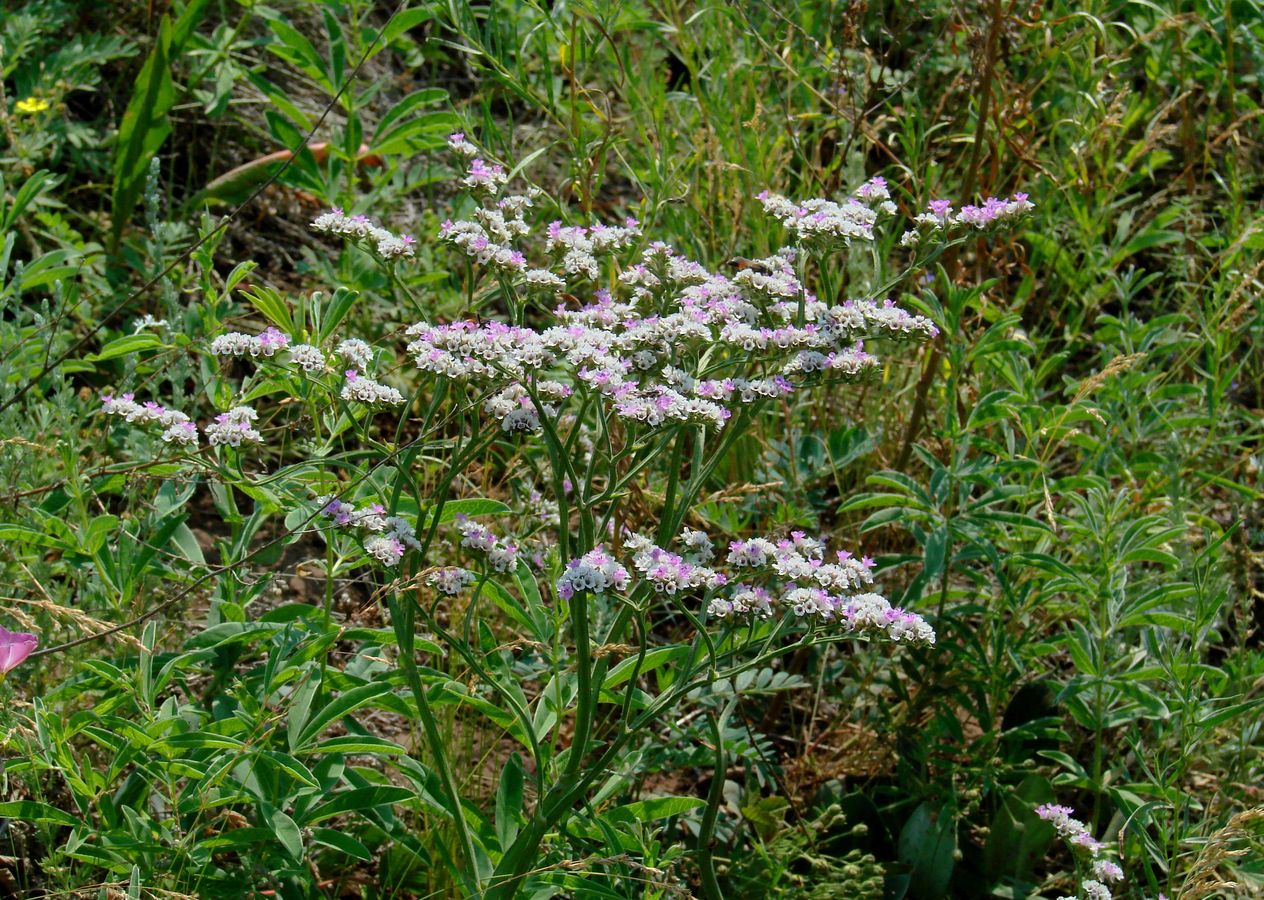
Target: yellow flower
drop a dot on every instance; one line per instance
(31, 105)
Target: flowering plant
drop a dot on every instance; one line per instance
(1090, 852)
(586, 407)
(15, 647)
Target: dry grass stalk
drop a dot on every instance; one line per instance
(1205, 878)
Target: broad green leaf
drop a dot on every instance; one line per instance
(328, 837)
(145, 126)
(653, 659)
(131, 343)
(290, 766)
(927, 846)
(654, 808)
(357, 800)
(355, 743)
(509, 800)
(471, 507)
(287, 832)
(42, 813)
(343, 705)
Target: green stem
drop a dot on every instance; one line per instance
(402, 619)
(715, 797)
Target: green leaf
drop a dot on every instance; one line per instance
(132, 343)
(145, 126)
(202, 740)
(290, 766)
(297, 50)
(654, 808)
(653, 659)
(356, 801)
(42, 813)
(1018, 839)
(287, 833)
(934, 553)
(1212, 718)
(336, 310)
(405, 20)
(767, 815)
(409, 104)
(273, 307)
(345, 704)
(355, 743)
(927, 845)
(229, 633)
(509, 800)
(511, 607)
(1150, 554)
(471, 507)
(237, 838)
(23, 197)
(18, 534)
(328, 837)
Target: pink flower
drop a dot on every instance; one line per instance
(15, 647)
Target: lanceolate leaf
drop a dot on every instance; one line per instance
(145, 126)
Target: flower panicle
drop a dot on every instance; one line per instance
(1102, 871)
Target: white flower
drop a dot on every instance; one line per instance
(266, 344)
(234, 427)
(596, 571)
(308, 358)
(356, 352)
(386, 549)
(451, 581)
(366, 390)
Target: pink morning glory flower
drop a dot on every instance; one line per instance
(15, 647)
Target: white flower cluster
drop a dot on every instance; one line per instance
(821, 223)
(234, 427)
(460, 146)
(939, 216)
(798, 579)
(311, 359)
(596, 571)
(517, 411)
(544, 509)
(804, 583)
(177, 427)
(576, 248)
(366, 390)
(698, 546)
(1076, 833)
(473, 240)
(386, 244)
(148, 321)
(485, 177)
(356, 352)
(745, 602)
(669, 573)
(451, 580)
(235, 343)
(801, 558)
(389, 536)
(772, 278)
(501, 555)
(644, 352)
(308, 358)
